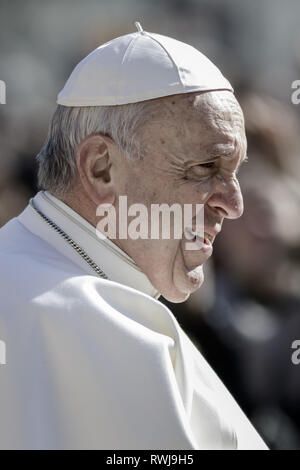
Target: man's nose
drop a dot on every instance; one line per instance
(227, 200)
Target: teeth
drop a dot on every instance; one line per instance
(200, 235)
(196, 234)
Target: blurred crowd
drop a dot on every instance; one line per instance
(247, 314)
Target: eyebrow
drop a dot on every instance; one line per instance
(220, 153)
(228, 153)
(216, 154)
(225, 152)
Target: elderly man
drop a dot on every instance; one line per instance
(93, 359)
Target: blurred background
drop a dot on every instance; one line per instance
(247, 314)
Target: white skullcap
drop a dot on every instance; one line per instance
(137, 67)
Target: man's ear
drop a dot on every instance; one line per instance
(94, 165)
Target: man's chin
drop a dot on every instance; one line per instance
(184, 284)
(176, 298)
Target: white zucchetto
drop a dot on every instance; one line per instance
(137, 67)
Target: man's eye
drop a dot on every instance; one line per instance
(207, 165)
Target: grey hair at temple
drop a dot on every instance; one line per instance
(57, 171)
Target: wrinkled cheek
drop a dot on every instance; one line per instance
(199, 193)
(203, 193)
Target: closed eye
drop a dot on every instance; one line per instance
(207, 165)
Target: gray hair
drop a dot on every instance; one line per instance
(57, 171)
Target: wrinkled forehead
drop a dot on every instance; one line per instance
(220, 118)
(217, 112)
(203, 122)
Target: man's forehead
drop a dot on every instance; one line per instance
(210, 122)
(217, 125)
(218, 108)
(211, 110)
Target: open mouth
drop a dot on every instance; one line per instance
(199, 236)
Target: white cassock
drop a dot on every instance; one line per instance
(95, 363)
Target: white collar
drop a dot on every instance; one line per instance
(116, 264)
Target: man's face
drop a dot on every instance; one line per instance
(193, 150)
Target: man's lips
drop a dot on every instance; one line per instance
(206, 236)
(196, 252)
(198, 246)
